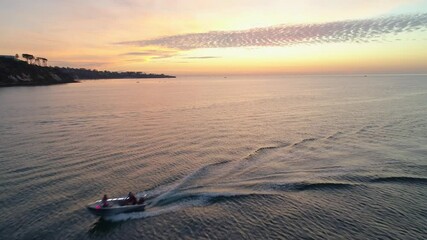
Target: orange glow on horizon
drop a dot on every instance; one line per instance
(114, 36)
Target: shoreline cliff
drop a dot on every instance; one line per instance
(19, 73)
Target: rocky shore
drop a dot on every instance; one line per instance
(20, 73)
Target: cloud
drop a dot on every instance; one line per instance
(135, 60)
(153, 54)
(80, 64)
(161, 54)
(284, 35)
(137, 54)
(201, 57)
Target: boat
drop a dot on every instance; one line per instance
(115, 206)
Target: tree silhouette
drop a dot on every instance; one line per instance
(31, 57)
(28, 57)
(44, 61)
(41, 61)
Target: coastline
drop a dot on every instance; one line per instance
(35, 84)
(16, 73)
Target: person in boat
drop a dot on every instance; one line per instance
(104, 201)
(141, 200)
(131, 200)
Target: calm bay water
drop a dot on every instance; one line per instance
(237, 158)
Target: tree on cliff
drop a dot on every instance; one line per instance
(28, 57)
(42, 61)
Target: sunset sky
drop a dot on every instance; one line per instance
(203, 37)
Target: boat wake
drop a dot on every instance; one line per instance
(150, 212)
(271, 170)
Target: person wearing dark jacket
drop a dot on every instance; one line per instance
(131, 200)
(104, 201)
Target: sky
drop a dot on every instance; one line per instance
(216, 37)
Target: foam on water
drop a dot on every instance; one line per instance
(154, 212)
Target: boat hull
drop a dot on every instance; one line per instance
(115, 206)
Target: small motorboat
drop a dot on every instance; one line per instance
(114, 206)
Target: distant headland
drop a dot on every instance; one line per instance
(29, 70)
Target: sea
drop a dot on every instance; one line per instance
(236, 157)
